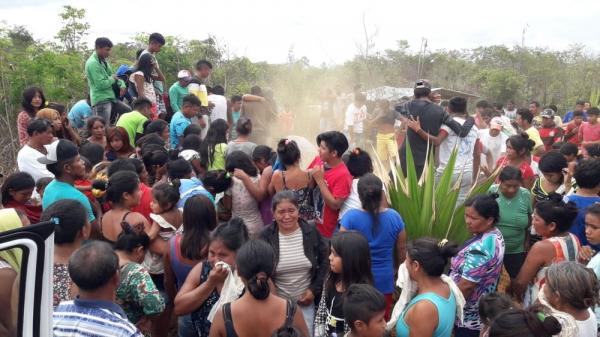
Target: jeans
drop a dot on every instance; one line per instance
(309, 317)
(464, 332)
(185, 327)
(110, 111)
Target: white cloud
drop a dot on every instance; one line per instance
(325, 30)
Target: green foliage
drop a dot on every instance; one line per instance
(74, 29)
(595, 97)
(429, 208)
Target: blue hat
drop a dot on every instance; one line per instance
(124, 69)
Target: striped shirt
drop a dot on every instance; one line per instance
(293, 274)
(91, 318)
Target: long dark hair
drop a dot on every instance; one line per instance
(217, 134)
(28, 95)
(118, 132)
(240, 160)
(199, 219)
(255, 262)
(144, 65)
(17, 181)
(353, 248)
(432, 256)
(370, 193)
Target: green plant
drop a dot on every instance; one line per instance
(595, 97)
(429, 208)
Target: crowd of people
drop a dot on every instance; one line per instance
(176, 217)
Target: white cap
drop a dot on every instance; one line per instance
(183, 74)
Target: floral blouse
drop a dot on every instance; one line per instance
(137, 294)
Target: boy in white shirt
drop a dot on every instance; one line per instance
(356, 114)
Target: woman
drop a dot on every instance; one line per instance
(294, 179)
(159, 127)
(122, 193)
(258, 312)
(59, 129)
(71, 231)
(300, 254)
(387, 145)
(213, 149)
(143, 80)
(243, 127)
(96, 128)
(187, 249)
(349, 263)
(552, 220)
(137, 294)
(431, 313)
(238, 198)
(384, 229)
(515, 217)
(555, 178)
(33, 101)
(202, 287)
(533, 322)
(477, 266)
(359, 163)
(16, 193)
(573, 289)
(518, 154)
(65, 131)
(117, 146)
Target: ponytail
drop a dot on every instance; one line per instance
(370, 193)
(255, 262)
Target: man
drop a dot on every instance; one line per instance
(155, 43)
(235, 107)
(40, 134)
(579, 106)
(203, 70)
(354, 119)
(217, 97)
(572, 130)
(133, 122)
(525, 122)
(256, 107)
(436, 98)
(549, 133)
(63, 160)
(468, 156)
(182, 119)
(79, 113)
(179, 89)
(94, 268)
(429, 118)
(493, 144)
(511, 110)
(534, 107)
(480, 107)
(101, 79)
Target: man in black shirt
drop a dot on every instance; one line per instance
(431, 117)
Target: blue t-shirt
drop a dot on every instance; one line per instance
(190, 188)
(569, 117)
(381, 243)
(178, 124)
(78, 114)
(578, 227)
(57, 190)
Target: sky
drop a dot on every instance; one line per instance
(325, 31)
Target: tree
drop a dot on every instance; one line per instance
(74, 29)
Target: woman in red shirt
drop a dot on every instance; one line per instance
(518, 154)
(33, 101)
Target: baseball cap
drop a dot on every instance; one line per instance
(59, 150)
(496, 123)
(547, 113)
(422, 84)
(124, 70)
(183, 74)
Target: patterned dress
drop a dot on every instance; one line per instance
(479, 261)
(137, 293)
(61, 284)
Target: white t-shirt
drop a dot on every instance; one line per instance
(27, 162)
(495, 146)
(355, 117)
(149, 92)
(466, 146)
(353, 201)
(220, 108)
(589, 327)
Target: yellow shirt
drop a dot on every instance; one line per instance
(535, 136)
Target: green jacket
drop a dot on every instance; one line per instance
(100, 80)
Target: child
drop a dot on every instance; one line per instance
(588, 187)
(166, 220)
(555, 177)
(490, 306)
(85, 186)
(349, 263)
(355, 116)
(335, 183)
(40, 186)
(214, 147)
(572, 131)
(590, 151)
(549, 133)
(589, 132)
(358, 163)
(16, 193)
(592, 233)
(364, 309)
(570, 152)
(117, 144)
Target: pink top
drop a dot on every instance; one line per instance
(589, 132)
(23, 119)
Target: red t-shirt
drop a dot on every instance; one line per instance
(550, 136)
(575, 138)
(144, 207)
(339, 183)
(526, 170)
(590, 133)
